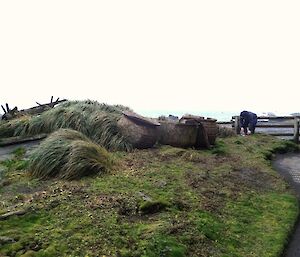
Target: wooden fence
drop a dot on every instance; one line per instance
(279, 122)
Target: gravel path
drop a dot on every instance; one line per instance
(288, 165)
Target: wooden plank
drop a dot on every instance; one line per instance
(296, 130)
(272, 118)
(7, 107)
(41, 108)
(237, 125)
(276, 117)
(279, 134)
(274, 125)
(224, 122)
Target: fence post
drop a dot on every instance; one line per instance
(237, 127)
(296, 130)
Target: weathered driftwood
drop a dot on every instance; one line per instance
(15, 113)
(19, 139)
(177, 134)
(141, 132)
(41, 107)
(9, 113)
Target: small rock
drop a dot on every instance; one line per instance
(145, 197)
(6, 240)
(161, 183)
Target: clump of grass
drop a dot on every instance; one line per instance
(15, 164)
(219, 148)
(285, 146)
(97, 121)
(68, 154)
(280, 147)
(149, 207)
(19, 152)
(267, 154)
(8, 128)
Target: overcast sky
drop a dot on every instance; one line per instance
(152, 55)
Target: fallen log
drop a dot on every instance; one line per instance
(17, 140)
(41, 107)
(14, 113)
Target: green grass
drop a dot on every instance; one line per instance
(253, 222)
(15, 164)
(19, 152)
(164, 201)
(68, 154)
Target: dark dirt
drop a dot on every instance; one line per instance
(288, 166)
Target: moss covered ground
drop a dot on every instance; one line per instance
(164, 201)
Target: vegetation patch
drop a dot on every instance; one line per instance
(219, 148)
(195, 203)
(149, 207)
(285, 147)
(97, 121)
(70, 155)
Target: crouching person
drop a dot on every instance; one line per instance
(248, 120)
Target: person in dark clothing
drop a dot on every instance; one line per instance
(248, 119)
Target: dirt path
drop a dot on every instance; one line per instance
(288, 166)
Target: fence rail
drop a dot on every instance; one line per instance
(279, 122)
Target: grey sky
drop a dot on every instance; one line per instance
(152, 55)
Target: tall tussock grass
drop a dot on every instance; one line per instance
(68, 154)
(9, 128)
(97, 121)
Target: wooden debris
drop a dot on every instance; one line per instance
(14, 113)
(20, 139)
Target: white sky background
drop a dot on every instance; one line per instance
(152, 55)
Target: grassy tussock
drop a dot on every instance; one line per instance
(8, 128)
(68, 154)
(96, 121)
